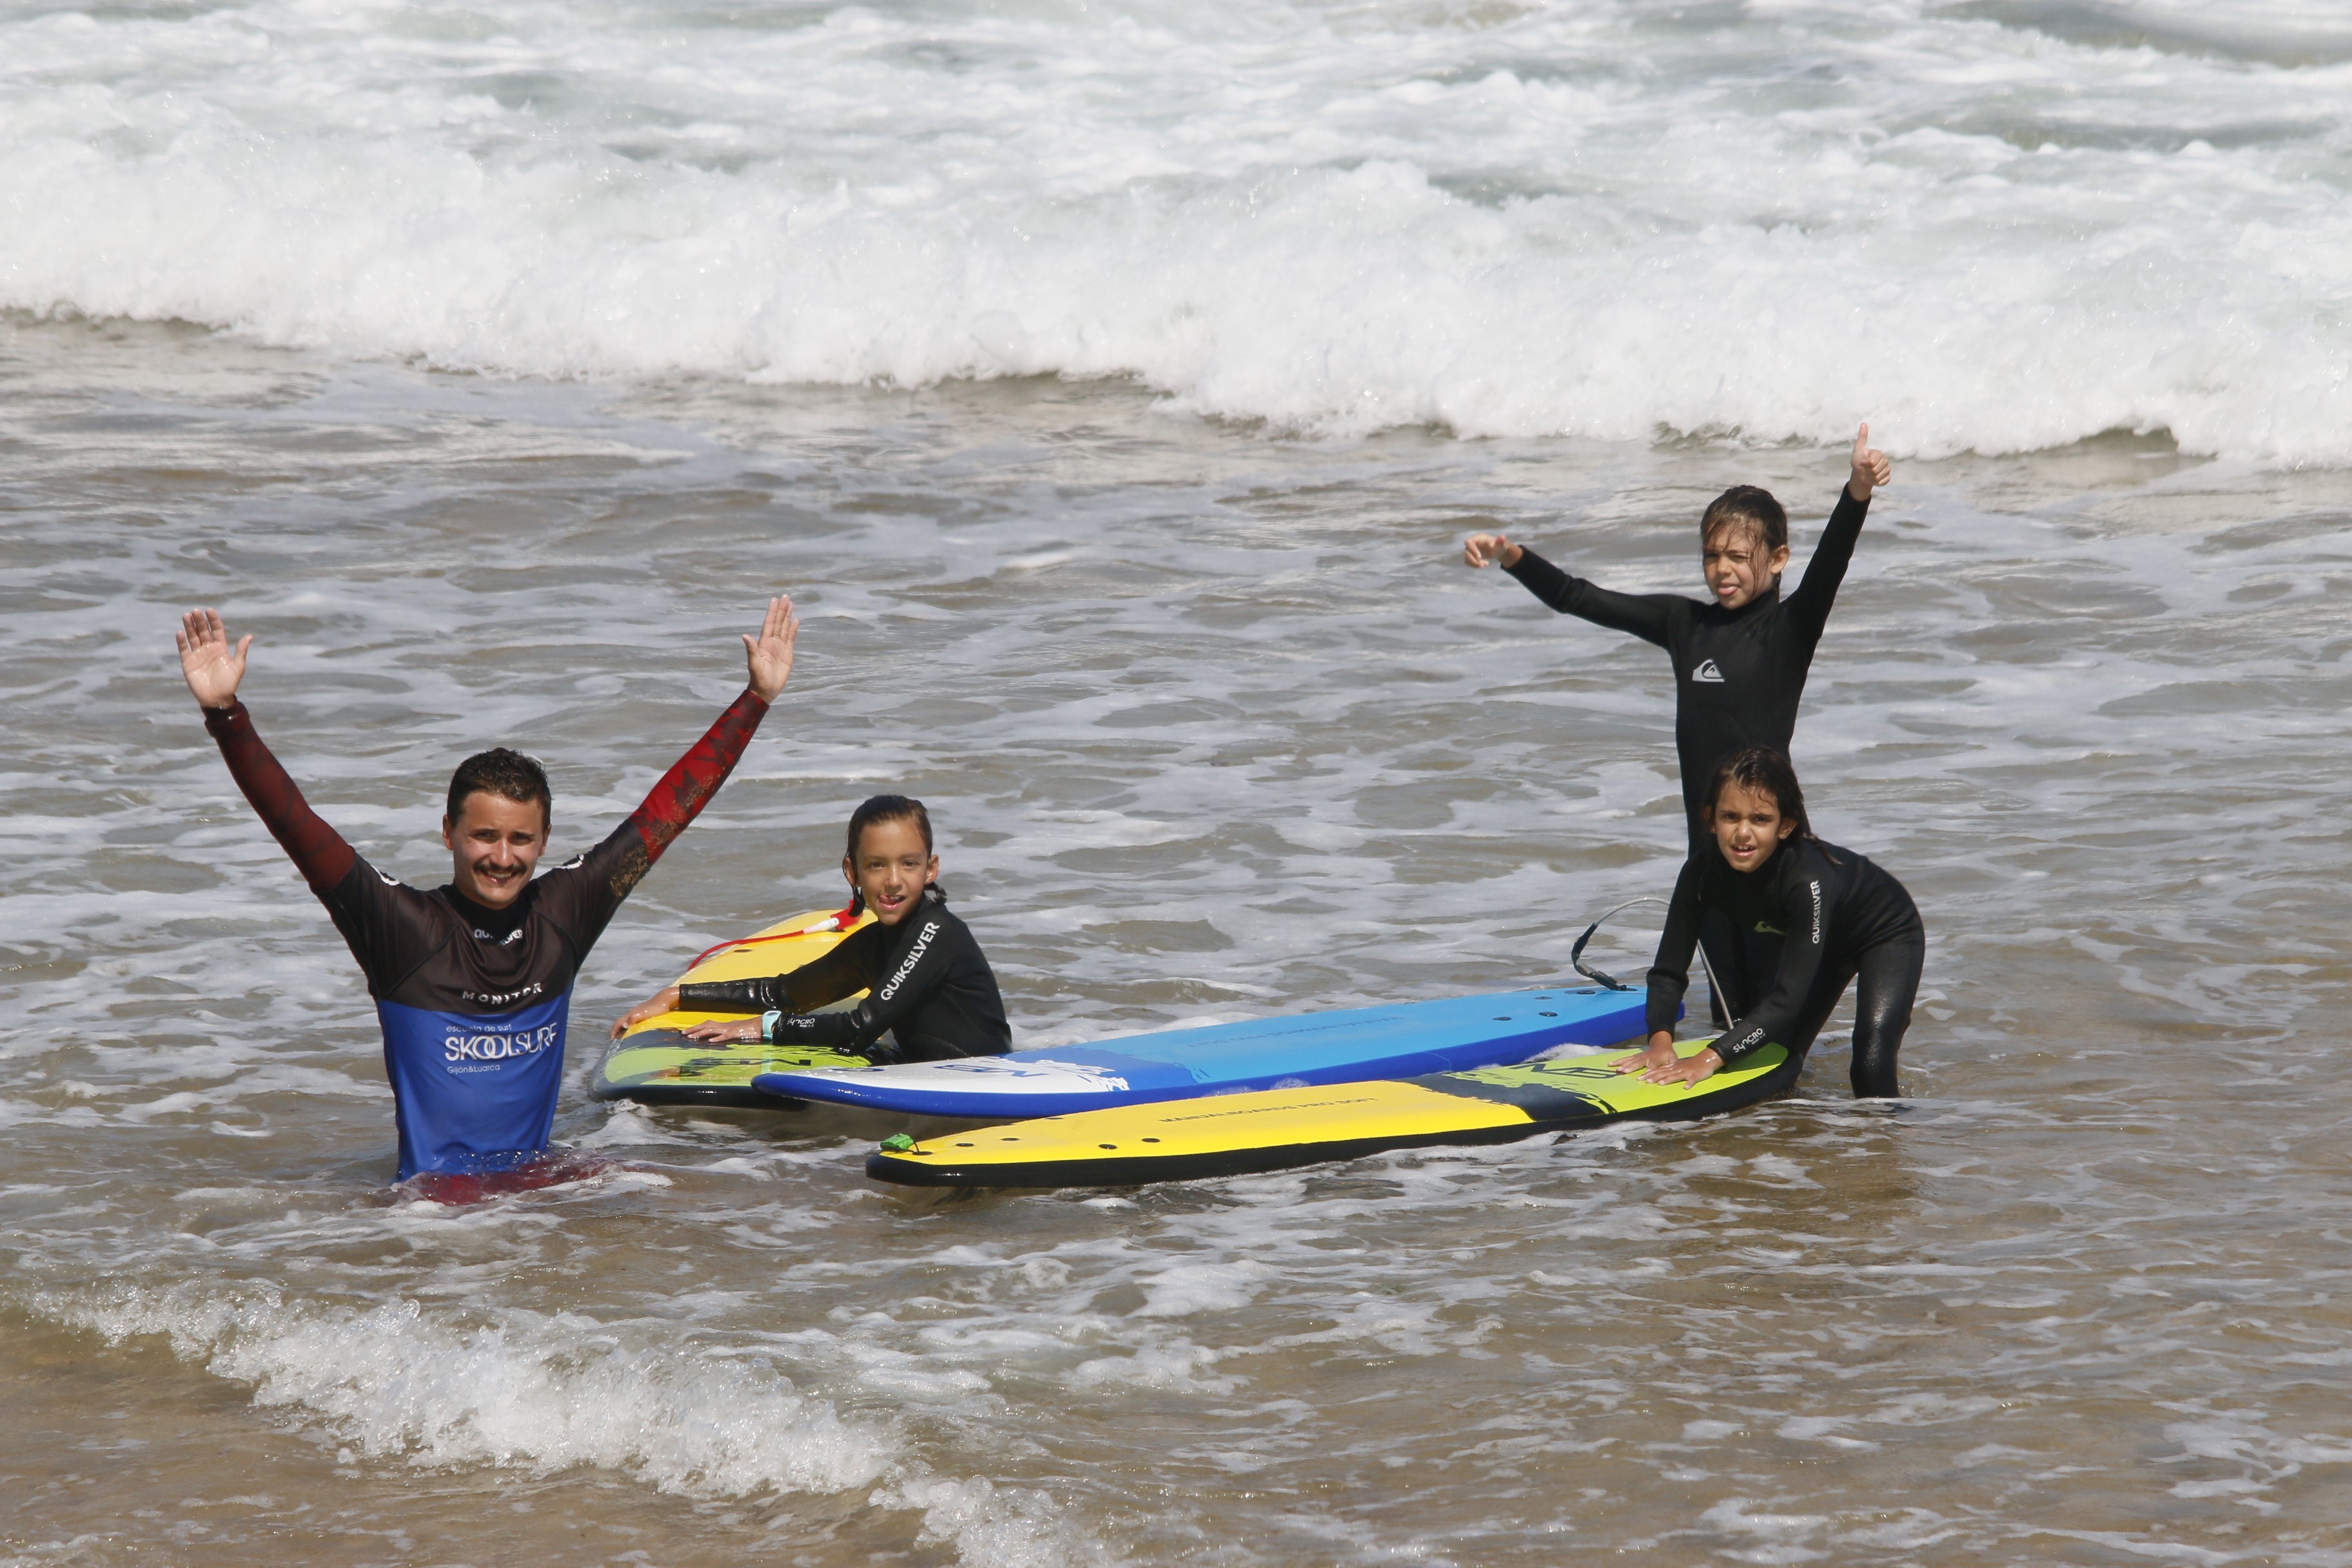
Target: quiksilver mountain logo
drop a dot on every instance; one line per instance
(1706, 671)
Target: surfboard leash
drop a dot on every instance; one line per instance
(841, 922)
(1610, 983)
(1576, 953)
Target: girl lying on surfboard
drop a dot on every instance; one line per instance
(1788, 919)
(929, 988)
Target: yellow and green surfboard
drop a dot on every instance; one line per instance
(656, 1064)
(1234, 1134)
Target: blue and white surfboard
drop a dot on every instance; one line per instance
(1400, 1040)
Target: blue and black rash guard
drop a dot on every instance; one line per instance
(1738, 674)
(1804, 917)
(931, 988)
(473, 1001)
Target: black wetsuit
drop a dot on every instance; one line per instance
(473, 1001)
(1738, 673)
(1785, 938)
(931, 992)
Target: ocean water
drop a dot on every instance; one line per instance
(1112, 387)
(1996, 226)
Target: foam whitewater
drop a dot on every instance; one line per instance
(2003, 225)
(542, 1394)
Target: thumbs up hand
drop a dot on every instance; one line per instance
(1870, 467)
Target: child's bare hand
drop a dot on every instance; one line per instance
(740, 1032)
(662, 1001)
(1687, 1071)
(1870, 467)
(1660, 1063)
(1660, 1053)
(1490, 549)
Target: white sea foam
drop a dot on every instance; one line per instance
(544, 1394)
(394, 1381)
(2000, 226)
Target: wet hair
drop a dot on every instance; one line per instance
(885, 808)
(1767, 771)
(1751, 508)
(507, 774)
(888, 809)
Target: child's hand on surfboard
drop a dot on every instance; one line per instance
(1870, 467)
(1660, 1063)
(735, 1032)
(662, 1001)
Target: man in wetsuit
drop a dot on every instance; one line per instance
(1739, 662)
(473, 981)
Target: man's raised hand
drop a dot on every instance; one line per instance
(212, 666)
(1870, 466)
(769, 656)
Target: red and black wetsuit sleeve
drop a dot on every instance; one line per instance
(581, 895)
(390, 929)
(1649, 617)
(317, 850)
(1808, 606)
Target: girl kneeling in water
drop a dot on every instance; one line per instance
(929, 989)
(1796, 919)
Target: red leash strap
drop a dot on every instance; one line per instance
(842, 921)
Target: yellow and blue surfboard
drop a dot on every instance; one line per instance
(656, 1064)
(1236, 1134)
